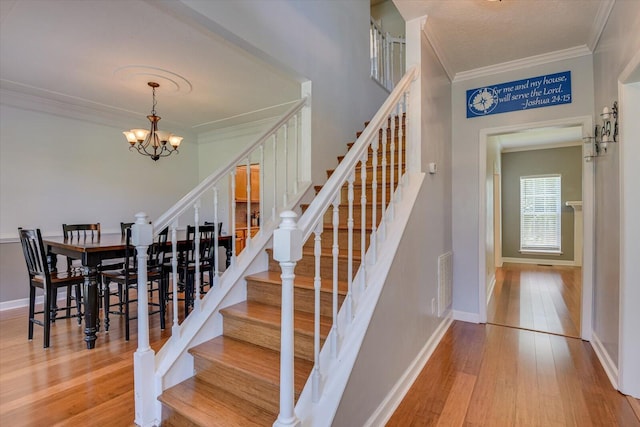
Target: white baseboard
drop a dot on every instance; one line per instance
(545, 261)
(400, 389)
(605, 360)
(24, 302)
(464, 316)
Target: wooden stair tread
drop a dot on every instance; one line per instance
(305, 282)
(255, 360)
(206, 405)
(327, 253)
(270, 314)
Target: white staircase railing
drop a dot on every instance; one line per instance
(381, 146)
(387, 56)
(283, 170)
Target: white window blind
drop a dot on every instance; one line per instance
(540, 213)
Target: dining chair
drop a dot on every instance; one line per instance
(127, 279)
(107, 292)
(187, 265)
(41, 277)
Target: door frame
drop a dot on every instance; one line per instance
(588, 207)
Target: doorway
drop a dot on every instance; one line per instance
(520, 290)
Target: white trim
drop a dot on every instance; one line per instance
(235, 131)
(544, 261)
(602, 15)
(24, 302)
(518, 64)
(586, 122)
(393, 399)
(542, 146)
(629, 317)
(605, 360)
(492, 286)
(465, 316)
(58, 104)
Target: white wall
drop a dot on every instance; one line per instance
(326, 42)
(403, 322)
(56, 170)
(466, 162)
(619, 42)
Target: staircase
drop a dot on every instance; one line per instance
(236, 381)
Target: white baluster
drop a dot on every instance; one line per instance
(274, 210)
(317, 286)
(247, 237)
(286, 165)
(400, 156)
(392, 171)
(287, 250)
(144, 356)
(216, 235)
(374, 197)
(174, 274)
(383, 216)
(406, 137)
(261, 185)
(233, 217)
(335, 252)
(196, 219)
(350, 223)
(363, 216)
(296, 141)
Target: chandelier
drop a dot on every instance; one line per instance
(153, 142)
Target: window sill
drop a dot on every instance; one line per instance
(542, 252)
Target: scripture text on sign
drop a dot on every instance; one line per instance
(536, 92)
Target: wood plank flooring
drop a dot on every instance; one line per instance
(488, 375)
(66, 384)
(539, 298)
(480, 375)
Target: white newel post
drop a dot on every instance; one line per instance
(577, 231)
(287, 250)
(144, 357)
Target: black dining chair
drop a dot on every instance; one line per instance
(127, 279)
(41, 277)
(187, 265)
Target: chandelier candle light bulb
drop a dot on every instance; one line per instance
(144, 140)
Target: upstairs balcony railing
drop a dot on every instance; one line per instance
(387, 56)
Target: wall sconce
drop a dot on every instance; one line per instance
(603, 135)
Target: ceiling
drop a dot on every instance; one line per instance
(472, 34)
(95, 57)
(99, 55)
(539, 138)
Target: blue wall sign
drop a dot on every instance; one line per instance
(536, 92)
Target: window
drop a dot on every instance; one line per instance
(540, 213)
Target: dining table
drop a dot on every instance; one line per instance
(92, 252)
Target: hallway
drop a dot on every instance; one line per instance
(537, 297)
(488, 375)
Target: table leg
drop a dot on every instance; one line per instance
(90, 306)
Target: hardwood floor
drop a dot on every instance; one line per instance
(480, 375)
(66, 384)
(539, 298)
(488, 375)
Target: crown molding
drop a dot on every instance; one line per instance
(602, 15)
(518, 64)
(43, 101)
